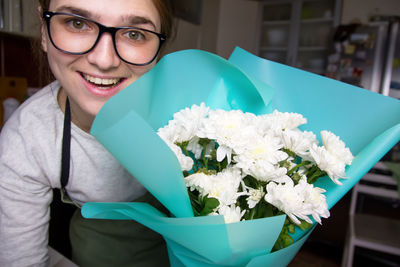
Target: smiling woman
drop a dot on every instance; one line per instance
(98, 51)
(95, 48)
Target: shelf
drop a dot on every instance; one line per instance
(318, 71)
(276, 22)
(312, 48)
(384, 237)
(394, 93)
(20, 34)
(274, 48)
(316, 20)
(297, 30)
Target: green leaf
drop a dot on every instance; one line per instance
(264, 209)
(285, 164)
(194, 200)
(209, 205)
(296, 178)
(304, 225)
(284, 240)
(252, 182)
(291, 228)
(183, 144)
(290, 153)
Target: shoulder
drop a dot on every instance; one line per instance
(43, 104)
(37, 112)
(32, 135)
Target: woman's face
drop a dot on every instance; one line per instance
(82, 77)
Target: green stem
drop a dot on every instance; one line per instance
(315, 175)
(219, 166)
(205, 163)
(185, 151)
(296, 167)
(311, 171)
(252, 213)
(203, 156)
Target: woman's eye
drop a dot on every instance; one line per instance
(135, 35)
(77, 24)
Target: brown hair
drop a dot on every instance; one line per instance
(164, 8)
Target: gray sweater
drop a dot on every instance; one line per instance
(30, 163)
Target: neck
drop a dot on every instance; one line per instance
(84, 122)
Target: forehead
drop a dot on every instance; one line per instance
(111, 12)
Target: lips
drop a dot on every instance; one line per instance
(102, 82)
(103, 86)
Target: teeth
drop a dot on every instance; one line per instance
(100, 81)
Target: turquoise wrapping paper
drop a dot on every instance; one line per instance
(367, 122)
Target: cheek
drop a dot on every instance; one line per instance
(139, 71)
(58, 61)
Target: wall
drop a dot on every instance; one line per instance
(203, 36)
(238, 26)
(224, 25)
(362, 9)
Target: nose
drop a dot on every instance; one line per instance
(103, 54)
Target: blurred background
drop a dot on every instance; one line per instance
(355, 41)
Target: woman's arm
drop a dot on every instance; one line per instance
(24, 203)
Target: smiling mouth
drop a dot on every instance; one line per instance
(102, 83)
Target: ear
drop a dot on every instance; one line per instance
(43, 34)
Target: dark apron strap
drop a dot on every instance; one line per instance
(65, 155)
(66, 146)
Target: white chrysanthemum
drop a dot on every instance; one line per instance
(197, 149)
(223, 152)
(332, 157)
(264, 171)
(281, 120)
(255, 195)
(185, 124)
(224, 186)
(185, 161)
(334, 167)
(298, 142)
(314, 198)
(168, 132)
(261, 158)
(287, 199)
(231, 213)
(230, 129)
(266, 149)
(199, 181)
(336, 147)
(194, 147)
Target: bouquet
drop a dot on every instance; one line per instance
(244, 166)
(127, 126)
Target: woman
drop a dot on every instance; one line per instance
(95, 48)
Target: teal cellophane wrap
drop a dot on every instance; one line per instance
(367, 122)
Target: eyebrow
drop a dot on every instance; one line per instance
(138, 20)
(127, 19)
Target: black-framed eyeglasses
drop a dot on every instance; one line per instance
(76, 35)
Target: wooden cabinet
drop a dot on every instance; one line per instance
(19, 17)
(298, 32)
